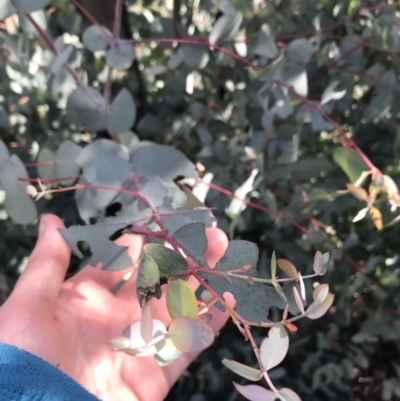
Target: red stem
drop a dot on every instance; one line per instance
(255, 205)
(90, 17)
(117, 18)
(43, 34)
(194, 41)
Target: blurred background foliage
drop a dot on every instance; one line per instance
(283, 103)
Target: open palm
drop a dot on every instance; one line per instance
(69, 324)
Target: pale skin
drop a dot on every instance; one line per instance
(69, 323)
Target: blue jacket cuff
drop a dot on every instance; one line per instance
(26, 377)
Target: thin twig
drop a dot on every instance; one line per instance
(117, 18)
(93, 20)
(255, 205)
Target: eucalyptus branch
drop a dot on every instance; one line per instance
(257, 354)
(348, 141)
(119, 4)
(234, 315)
(255, 205)
(54, 50)
(93, 20)
(194, 41)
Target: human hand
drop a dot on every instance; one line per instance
(69, 324)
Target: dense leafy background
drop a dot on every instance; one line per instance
(275, 100)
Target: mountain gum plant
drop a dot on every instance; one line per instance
(277, 92)
(141, 181)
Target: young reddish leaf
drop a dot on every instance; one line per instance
(290, 326)
(315, 311)
(273, 266)
(245, 371)
(319, 265)
(146, 327)
(376, 216)
(287, 267)
(288, 395)
(243, 269)
(320, 293)
(255, 393)
(190, 335)
(181, 300)
(298, 300)
(359, 193)
(274, 348)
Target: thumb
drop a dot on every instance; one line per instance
(40, 283)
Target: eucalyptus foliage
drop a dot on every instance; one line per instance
(276, 119)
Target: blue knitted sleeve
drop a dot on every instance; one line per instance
(26, 377)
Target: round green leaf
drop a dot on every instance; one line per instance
(47, 168)
(29, 6)
(122, 114)
(181, 300)
(168, 261)
(94, 38)
(67, 166)
(300, 50)
(86, 108)
(6, 9)
(264, 44)
(148, 280)
(4, 153)
(316, 310)
(287, 267)
(61, 59)
(350, 162)
(22, 173)
(195, 56)
(190, 335)
(120, 56)
(226, 28)
(19, 206)
(274, 348)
